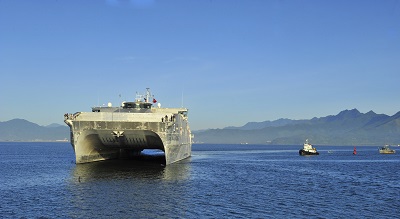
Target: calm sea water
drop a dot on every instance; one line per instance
(218, 181)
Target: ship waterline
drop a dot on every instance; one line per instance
(124, 132)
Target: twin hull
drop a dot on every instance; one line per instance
(127, 134)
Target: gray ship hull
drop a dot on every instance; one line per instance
(97, 136)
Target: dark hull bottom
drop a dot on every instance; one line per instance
(303, 153)
(122, 154)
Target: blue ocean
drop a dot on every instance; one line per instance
(41, 180)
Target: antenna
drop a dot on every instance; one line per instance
(120, 103)
(148, 94)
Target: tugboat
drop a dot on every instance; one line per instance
(386, 150)
(308, 149)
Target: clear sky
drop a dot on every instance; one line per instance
(228, 61)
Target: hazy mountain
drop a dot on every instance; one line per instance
(261, 125)
(349, 127)
(54, 125)
(23, 130)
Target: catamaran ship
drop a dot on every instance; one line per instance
(109, 132)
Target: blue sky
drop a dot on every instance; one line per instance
(232, 61)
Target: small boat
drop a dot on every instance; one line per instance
(355, 151)
(386, 150)
(308, 149)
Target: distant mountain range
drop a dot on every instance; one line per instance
(349, 127)
(23, 130)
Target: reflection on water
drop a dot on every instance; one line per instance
(130, 169)
(128, 189)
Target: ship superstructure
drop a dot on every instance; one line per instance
(125, 131)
